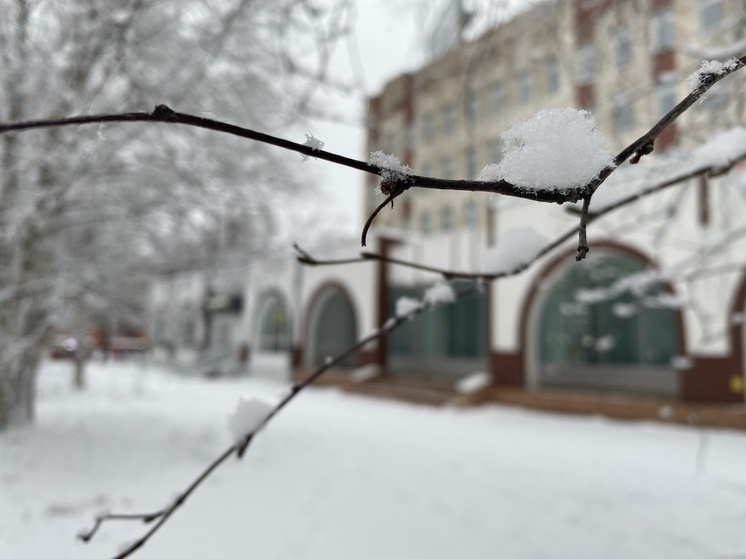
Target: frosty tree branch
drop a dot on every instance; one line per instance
(160, 517)
(392, 187)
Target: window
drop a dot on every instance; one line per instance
(472, 108)
(524, 87)
(623, 115)
(496, 150)
(409, 137)
(665, 98)
(427, 170)
(273, 333)
(446, 164)
(425, 226)
(622, 45)
(390, 142)
(553, 74)
(662, 30)
(470, 215)
(449, 119)
(428, 129)
(446, 219)
(497, 98)
(710, 14)
(470, 156)
(586, 64)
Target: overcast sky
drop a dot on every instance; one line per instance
(386, 43)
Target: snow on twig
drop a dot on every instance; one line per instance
(556, 149)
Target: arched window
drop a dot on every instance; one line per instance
(605, 317)
(333, 328)
(273, 326)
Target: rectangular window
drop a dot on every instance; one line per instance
(449, 119)
(496, 150)
(622, 45)
(471, 108)
(409, 137)
(710, 14)
(665, 98)
(427, 170)
(390, 142)
(662, 32)
(586, 64)
(428, 129)
(524, 87)
(553, 74)
(623, 115)
(446, 165)
(497, 98)
(446, 219)
(470, 157)
(470, 214)
(425, 225)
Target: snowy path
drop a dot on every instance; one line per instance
(338, 476)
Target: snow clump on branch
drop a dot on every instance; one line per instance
(514, 249)
(392, 170)
(556, 149)
(710, 68)
(406, 305)
(441, 292)
(247, 417)
(313, 143)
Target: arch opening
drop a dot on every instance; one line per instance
(607, 324)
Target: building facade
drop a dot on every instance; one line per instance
(657, 307)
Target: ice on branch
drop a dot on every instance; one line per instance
(441, 292)
(556, 149)
(314, 143)
(513, 250)
(392, 170)
(710, 68)
(247, 417)
(405, 305)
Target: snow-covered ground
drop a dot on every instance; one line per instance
(339, 476)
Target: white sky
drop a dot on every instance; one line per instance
(387, 45)
(389, 37)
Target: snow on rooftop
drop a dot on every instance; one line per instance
(513, 250)
(393, 169)
(556, 149)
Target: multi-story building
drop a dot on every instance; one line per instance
(666, 322)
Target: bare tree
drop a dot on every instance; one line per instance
(87, 212)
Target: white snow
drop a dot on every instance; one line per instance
(625, 310)
(392, 169)
(681, 362)
(440, 292)
(722, 148)
(313, 143)
(556, 149)
(405, 305)
(514, 249)
(247, 417)
(473, 382)
(710, 67)
(339, 476)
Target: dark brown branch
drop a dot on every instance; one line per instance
(644, 144)
(162, 516)
(583, 230)
(369, 221)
